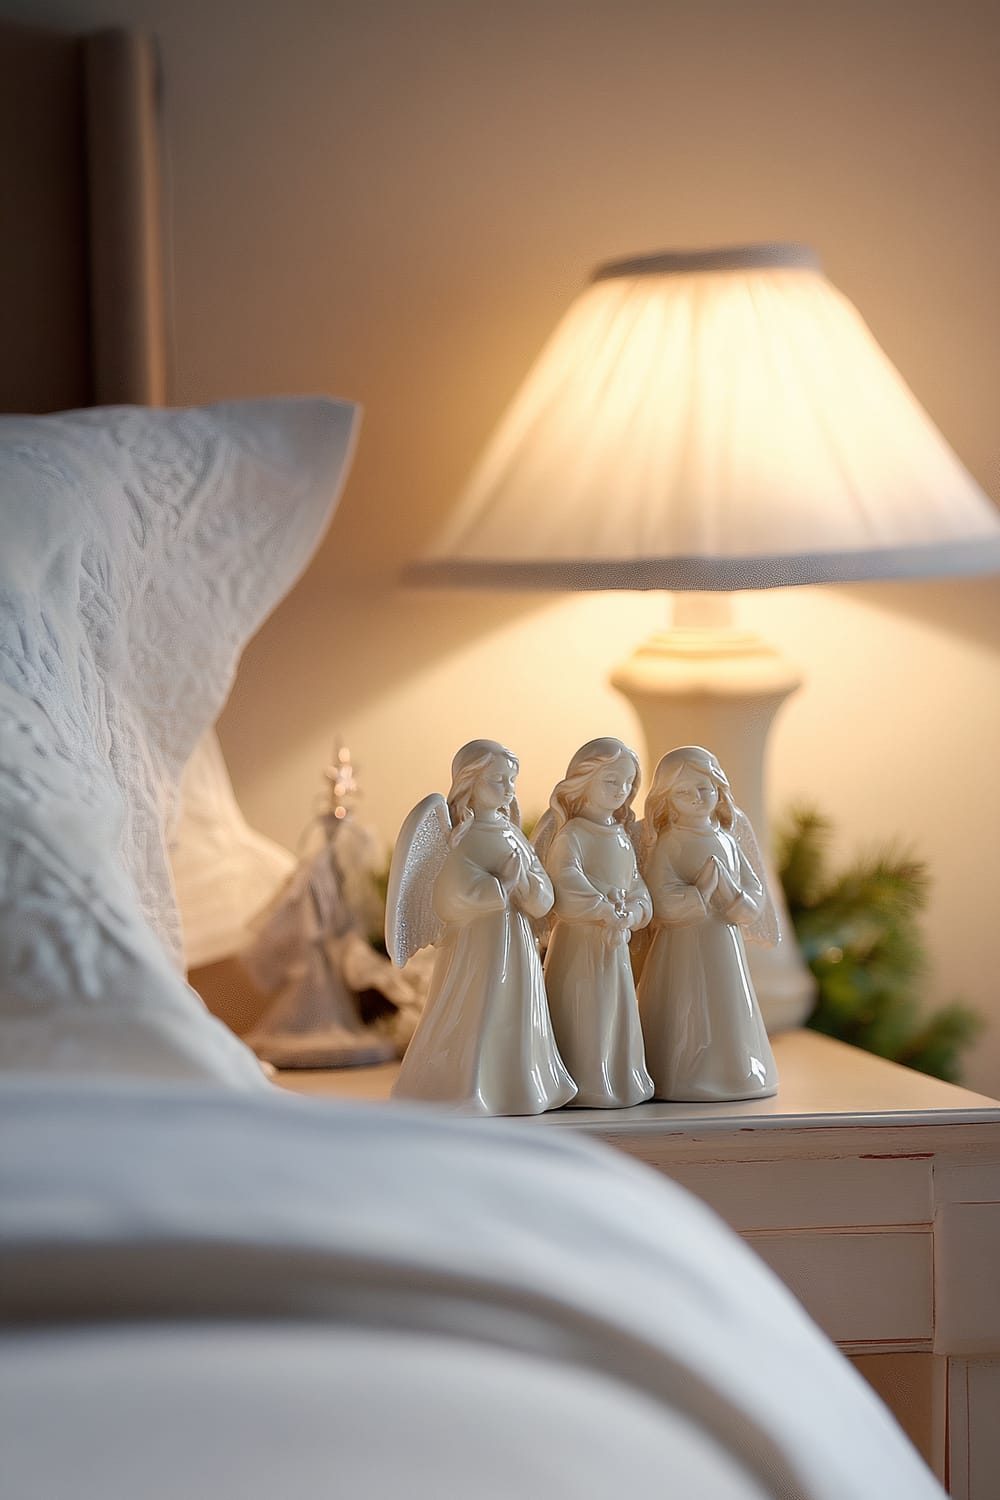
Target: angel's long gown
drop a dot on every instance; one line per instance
(484, 1043)
(589, 979)
(705, 1037)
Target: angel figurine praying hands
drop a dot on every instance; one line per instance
(704, 1034)
(465, 879)
(585, 841)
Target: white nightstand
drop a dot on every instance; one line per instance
(874, 1193)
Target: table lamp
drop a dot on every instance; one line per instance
(707, 422)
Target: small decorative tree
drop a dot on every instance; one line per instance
(859, 932)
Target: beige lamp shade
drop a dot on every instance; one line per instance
(719, 420)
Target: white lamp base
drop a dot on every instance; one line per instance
(716, 686)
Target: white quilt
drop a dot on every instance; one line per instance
(206, 1294)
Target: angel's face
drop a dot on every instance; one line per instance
(495, 787)
(694, 794)
(611, 786)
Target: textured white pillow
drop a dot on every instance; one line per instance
(225, 872)
(140, 549)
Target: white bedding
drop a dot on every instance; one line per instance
(208, 1294)
(140, 550)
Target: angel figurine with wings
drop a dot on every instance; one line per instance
(704, 1034)
(465, 879)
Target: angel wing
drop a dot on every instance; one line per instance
(764, 929)
(542, 836)
(543, 833)
(643, 838)
(410, 920)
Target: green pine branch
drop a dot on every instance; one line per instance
(860, 934)
(801, 848)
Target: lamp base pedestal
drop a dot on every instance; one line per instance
(721, 687)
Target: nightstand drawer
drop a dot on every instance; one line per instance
(863, 1287)
(810, 1194)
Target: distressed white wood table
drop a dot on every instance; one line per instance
(874, 1193)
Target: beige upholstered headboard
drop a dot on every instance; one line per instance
(81, 274)
(82, 300)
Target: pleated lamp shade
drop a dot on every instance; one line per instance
(718, 420)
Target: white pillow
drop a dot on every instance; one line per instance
(224, 871)
(140, 549)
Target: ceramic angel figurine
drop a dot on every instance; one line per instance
(465, 878)
(705, 1038)
(585, 843)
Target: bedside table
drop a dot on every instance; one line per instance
(873, 1192)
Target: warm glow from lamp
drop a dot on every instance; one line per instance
(714, 421)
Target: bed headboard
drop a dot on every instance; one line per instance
(81, 274)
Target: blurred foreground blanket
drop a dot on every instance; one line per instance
(207, 1294)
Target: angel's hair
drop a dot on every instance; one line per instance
(569, 795)
(469, 764)
(660, 813)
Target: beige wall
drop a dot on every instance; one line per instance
(395, 200)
